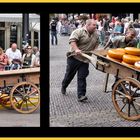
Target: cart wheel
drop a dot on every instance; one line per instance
(25, 97)
(126, 98)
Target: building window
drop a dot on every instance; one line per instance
(35, 38)
(13, 34)
(2, 24)
(2, 39)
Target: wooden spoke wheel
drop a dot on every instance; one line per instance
(25, 97)
(126, 98)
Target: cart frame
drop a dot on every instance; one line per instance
(19, 88)
(126, 91)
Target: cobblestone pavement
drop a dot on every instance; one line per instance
(11, 118)
(66, 111)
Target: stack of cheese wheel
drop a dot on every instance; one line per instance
(132, 51)
(116, 54)
(132, 56)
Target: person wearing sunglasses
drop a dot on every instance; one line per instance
(28, 58)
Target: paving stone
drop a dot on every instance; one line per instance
(66, 111)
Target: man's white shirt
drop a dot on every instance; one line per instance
(13, 55)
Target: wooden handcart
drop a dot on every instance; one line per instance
(20, 89)
(126, 91)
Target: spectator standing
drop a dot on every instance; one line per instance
(53, 29)
(118, 28)
(59, 24)
(100, 24)
(126, 24)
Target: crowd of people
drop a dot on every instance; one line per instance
(13, 58)
(113, 26)
(117, 27)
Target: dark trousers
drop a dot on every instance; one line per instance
(75, 66)
(54, 35)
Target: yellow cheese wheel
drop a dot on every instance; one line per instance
(128, 65)
(132, 51)
(137, 64)
(114, 53)
(118, 60)
(130, 59)
(121, 49)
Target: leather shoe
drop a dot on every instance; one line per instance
(82, 98)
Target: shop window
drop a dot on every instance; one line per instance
(35, 38)
(2, 39)
(13, 34)
(2, 24)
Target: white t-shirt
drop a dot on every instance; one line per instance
(13, 55)
(126, 26)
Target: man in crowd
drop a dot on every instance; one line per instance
(14, 56)
(53, 29)
(123, 41)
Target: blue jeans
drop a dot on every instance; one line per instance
(14, 66)
(102, 37)
(54, 35)
(75, 66)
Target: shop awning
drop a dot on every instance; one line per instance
(18, 18)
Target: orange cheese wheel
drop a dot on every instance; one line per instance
(117, 54)
(118, 60)
(137, 64)
(121, 49)
(130, 59)
(132, 51)
(128, 65)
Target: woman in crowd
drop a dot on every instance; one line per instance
(3, 60)
(37, 60)
(28, 58)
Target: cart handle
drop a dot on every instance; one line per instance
(91, 59)
(103, 63)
